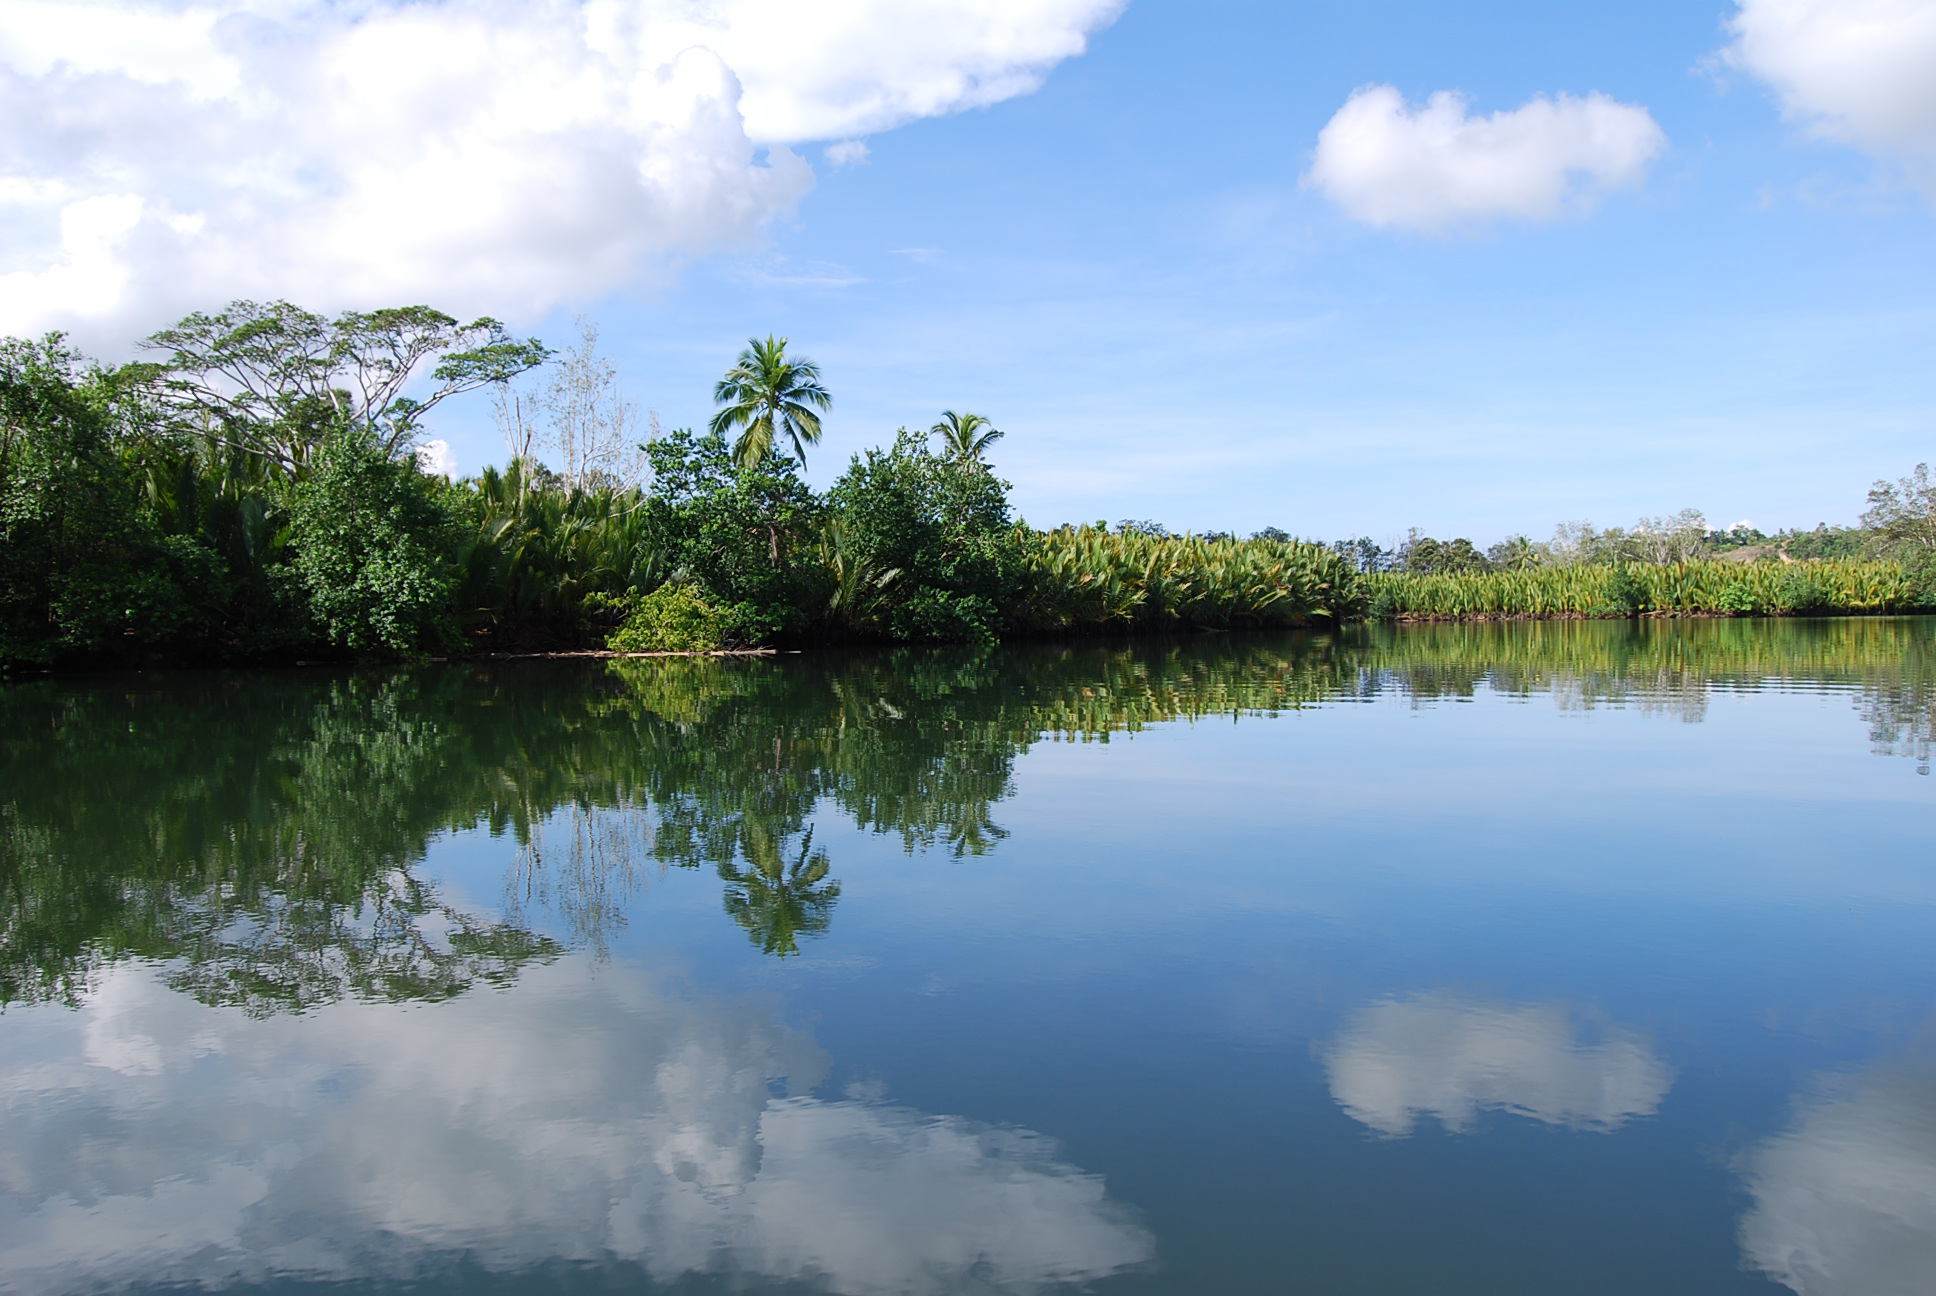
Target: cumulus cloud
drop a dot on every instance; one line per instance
(1845, 1198)
(1449, 1057)
(1857, 72)
(1386, 162)
(482, 155)
(587, 1116)
(435, 457)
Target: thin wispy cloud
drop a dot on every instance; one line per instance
(778, 272)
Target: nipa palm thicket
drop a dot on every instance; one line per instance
(1627, 589)
(1084, 579)
(542, 557)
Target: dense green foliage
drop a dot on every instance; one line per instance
(375, 548)
(1630, 589)
(1088, 578)
(543, 560)
(84, 569)
(256, 495)
(929, 538)
(742, 534)
(676, 617)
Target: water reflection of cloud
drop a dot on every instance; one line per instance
(1845, 1197)
(1448, 1056)
(152, 1139)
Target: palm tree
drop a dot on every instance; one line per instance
(765, 391)
(964, 436)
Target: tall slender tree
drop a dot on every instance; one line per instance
(964, 437)
(765, 394)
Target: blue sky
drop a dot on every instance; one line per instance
(1141, 268)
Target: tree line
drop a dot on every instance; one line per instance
(259, 488)
(1899, 523)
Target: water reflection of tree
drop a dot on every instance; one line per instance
(259, 834)
(778, 894)
(266, 829)
(1671, 668)
(1901, 715)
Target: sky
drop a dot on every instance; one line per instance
(1340, 268)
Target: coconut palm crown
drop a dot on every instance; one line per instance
(764, 394)
(964, 436)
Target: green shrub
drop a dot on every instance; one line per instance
(1800, 592)
(1626, 595)
(677, 617)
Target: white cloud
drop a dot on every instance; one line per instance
(435, 458)
(1845, 1198)
(586, 1115)
(1858, 72)
(1450, 1057)
(847, 153)
(481, 155)
(1385, 162)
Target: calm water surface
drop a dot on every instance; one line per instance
(1536, 959)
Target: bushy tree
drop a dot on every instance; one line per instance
(1364, 553)
(375, 544)
(734, 529)
(1423, 555)
(941, 523)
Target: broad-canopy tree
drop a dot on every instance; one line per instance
(764, 395)
(274, 380)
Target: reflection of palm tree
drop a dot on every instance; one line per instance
(765, 394)
(973, 830)
(778, 902)
(964, 437)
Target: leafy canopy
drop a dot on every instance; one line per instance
(274, 380)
